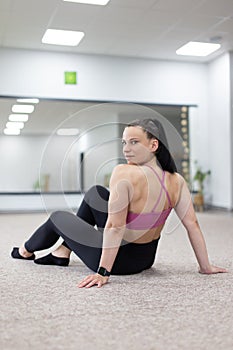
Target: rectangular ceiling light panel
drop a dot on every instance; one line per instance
(68, 132)
(23, 108)
(90, 2)
(28, 100)
(15, 125)
(18, 118)
(11, 131)
(62, 37)
(195, 48)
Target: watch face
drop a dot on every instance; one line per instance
(103, 272)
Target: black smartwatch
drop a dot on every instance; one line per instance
(103, 272)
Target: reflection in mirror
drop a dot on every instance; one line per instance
(67, 146)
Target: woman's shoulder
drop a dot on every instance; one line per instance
(174, 184)
(121, 177)
(124, 168)
(176, 177)
(124, 172)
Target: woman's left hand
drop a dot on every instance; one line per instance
(212, 270)
(92, 280)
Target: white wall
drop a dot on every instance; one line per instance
(21, 158)
(31, 73)
(231, 123)
(101, 155)
(218, 131)
(25, 159)
(35, 73)
(38, 202)
(19, 162)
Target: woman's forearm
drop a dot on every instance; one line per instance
(199, 246)
(111, 243)
(108, 257)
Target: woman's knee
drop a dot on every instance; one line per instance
(98, 192)
(54, 217)
(97, 198)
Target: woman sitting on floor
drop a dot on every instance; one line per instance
(129, 217)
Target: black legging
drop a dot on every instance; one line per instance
(85, 241)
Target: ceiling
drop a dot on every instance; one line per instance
(134, 28)
(129, 28)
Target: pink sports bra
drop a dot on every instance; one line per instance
(153, 219)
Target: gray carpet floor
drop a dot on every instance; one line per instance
(171, 306)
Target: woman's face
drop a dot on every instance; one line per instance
(137, 148)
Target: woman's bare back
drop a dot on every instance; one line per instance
(145, 189)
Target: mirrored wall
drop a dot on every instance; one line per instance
(67, 146)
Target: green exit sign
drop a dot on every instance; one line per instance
(71, 78)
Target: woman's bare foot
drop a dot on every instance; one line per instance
(25, 255)
(62, 252)
(23, 251)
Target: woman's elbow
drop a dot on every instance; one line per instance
(191, 224)
(116, 225)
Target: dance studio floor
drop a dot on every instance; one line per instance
(170, 306)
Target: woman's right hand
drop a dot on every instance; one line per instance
(93, 280)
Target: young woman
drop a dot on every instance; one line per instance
(129, 217)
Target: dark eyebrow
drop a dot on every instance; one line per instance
(132, 138)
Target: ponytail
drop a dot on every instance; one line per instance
(165, 159)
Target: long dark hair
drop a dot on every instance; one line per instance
(154, 130)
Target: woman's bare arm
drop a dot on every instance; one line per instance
(115, 225)
(185, 211)
(117, 213)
